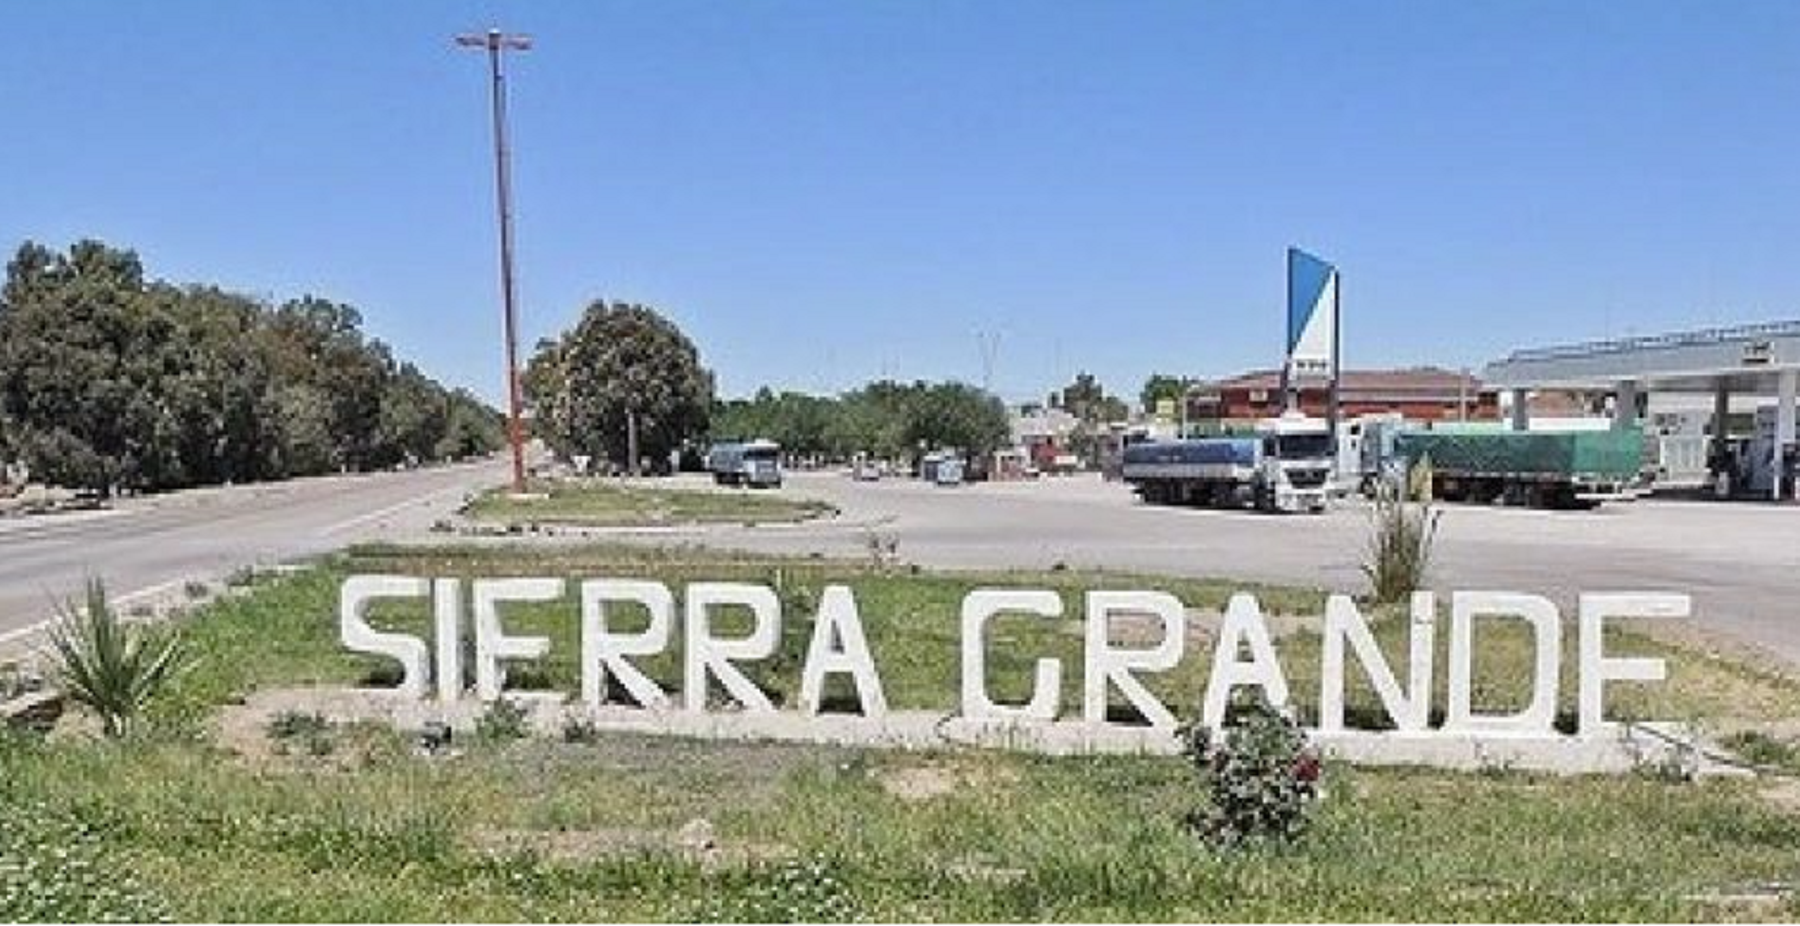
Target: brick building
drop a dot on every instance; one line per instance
(1420, 394)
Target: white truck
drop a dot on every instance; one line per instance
(1285, 466)
(752, 463)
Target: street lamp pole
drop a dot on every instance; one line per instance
(497, 43)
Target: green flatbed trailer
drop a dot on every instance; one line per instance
(1568, 469)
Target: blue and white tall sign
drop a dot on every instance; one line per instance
(1312, 329)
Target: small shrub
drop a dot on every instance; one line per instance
(112, 667)
(504, 720)
(884, 548)
(580, 730)
(1400, 543)
(195, 590)
(1668, 760)
(312, 733)
(1260, 776)
(1761, 749)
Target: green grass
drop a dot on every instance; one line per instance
(598, 503)
(545, 829)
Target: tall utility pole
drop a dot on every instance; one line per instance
(988, 342)
(497, 43)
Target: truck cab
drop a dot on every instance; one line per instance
(1295, 463)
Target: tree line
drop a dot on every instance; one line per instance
(625, 373)
(113, 381)
(885, 419)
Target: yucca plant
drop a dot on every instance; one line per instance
(112, 667)
(1400, 543)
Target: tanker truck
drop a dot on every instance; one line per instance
(1284, 466)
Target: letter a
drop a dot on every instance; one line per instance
(1243, 623)
(838, 646)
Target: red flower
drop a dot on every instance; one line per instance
(1306, 767)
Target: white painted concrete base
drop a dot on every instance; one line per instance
(1621, 749)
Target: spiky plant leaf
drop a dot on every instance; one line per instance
(113, 668)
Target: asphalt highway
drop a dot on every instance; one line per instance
(150, 545)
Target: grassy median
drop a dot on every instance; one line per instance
(354, 823)
(603, 503)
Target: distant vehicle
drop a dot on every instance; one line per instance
(1365, 446)
(942, 468)
(864, 469)
(1285, 466)
(754, 463)
(952, 471)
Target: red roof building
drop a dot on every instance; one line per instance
(1420, 394)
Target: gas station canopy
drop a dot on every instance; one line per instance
(1744, 359)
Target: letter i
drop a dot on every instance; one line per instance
(446, 609)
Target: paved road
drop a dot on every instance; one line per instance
(146, 545)
(1740, 561)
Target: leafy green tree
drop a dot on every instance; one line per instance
(1163, 386)
(110, 380)
(883, 418)
(956, 415)
(621, 364)
(304, 443)
(470, 429)
(1087, 400)
(69, 327)
(800, 423)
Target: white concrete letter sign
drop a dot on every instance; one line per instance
(838, 647)
(709, 654)
(1539, 716)
(603, 650)
(1243, 624)
(357, 635)
(1597, 669)
(1411, 711)
(447, 614)
(977, 608)
(1127, 636)
(1105, 664)
(491, 642)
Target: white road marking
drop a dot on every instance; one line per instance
(391, 509)
(148, 591)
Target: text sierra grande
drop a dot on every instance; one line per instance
(1243, 654)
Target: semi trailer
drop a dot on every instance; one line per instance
(1285, 466)
(1558, 469)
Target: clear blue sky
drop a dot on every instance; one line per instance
(822, 192)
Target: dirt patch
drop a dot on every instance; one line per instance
(1782, 793)
(1693, 636)
(1747, 903)
(917, 783)
(245, 731)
